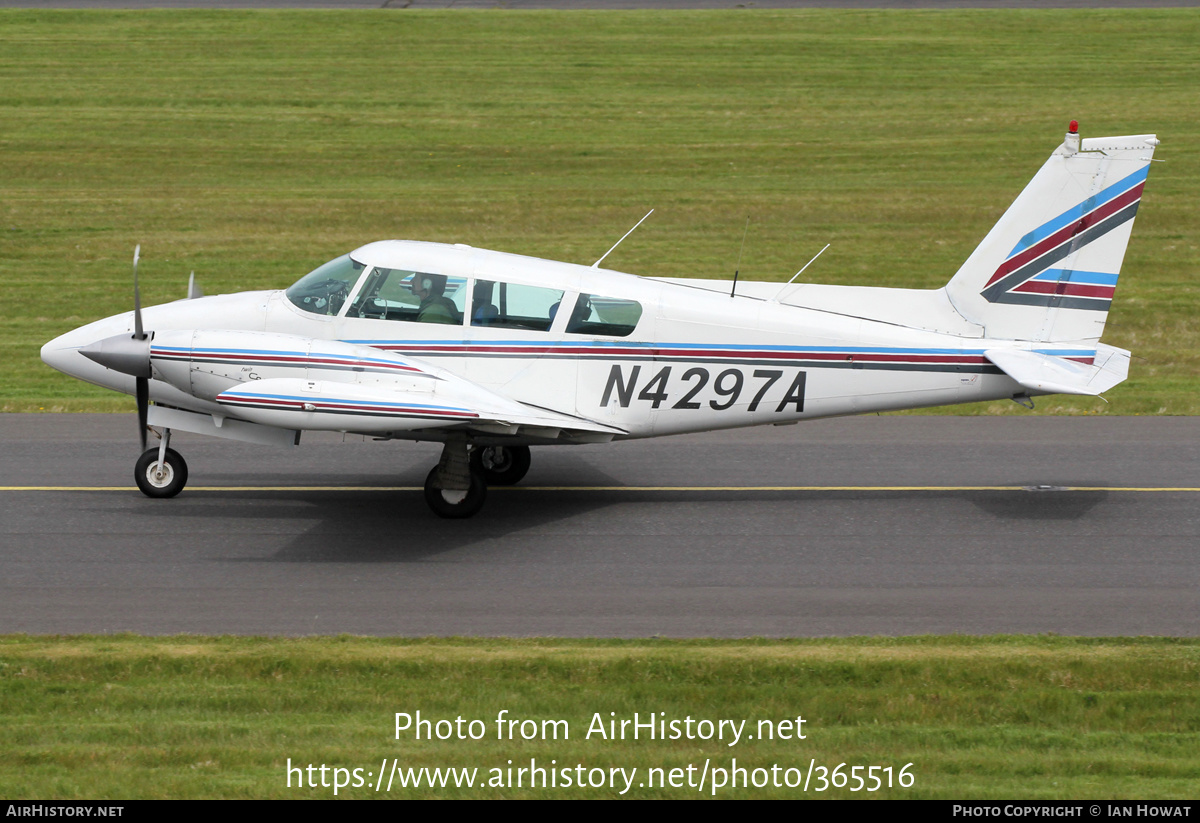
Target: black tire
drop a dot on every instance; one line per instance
(469, 506)
(174, 476)
(501, 465)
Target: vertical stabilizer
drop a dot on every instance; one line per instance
(1047, 271)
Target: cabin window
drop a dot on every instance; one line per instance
(324, 290)
(513, 306)
(608, 316)
(419, 297)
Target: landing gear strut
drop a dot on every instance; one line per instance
(453, 489)
(161, 472)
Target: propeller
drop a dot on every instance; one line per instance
(129, 354)
(141, 384)
(138, 333)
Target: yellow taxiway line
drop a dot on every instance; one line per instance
(628, 488)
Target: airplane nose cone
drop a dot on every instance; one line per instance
(63, 353)
(120, 352)
(58, 355)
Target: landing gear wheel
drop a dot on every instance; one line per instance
(167, 483)
(501, 465)
(455, 504)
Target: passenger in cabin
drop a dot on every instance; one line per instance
(483, 312)
(435, 306)
(580, 314)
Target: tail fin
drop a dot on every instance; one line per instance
(1047, 271)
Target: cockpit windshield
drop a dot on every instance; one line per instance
(325, 289)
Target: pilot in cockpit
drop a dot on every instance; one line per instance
(435, 306)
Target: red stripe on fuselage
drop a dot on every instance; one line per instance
(686, 354)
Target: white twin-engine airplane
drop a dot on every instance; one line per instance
(491, 353)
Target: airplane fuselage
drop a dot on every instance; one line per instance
(492, 353)
(696, 359)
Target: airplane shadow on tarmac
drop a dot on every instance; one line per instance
(1040, 502)
(390, 526)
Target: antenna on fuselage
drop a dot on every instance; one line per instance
(596, 265)
(775, 299)
(738, 267)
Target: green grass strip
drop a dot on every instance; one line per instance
(1001, 717)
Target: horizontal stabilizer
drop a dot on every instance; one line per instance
(1050, 374)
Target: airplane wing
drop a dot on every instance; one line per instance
(292, 383)
(317, 405)
(1054, 374)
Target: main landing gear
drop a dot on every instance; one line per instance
(455, 503)
(161, 472)
(501, 465)
(457, 486)
(453, 488)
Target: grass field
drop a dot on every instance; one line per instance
(1014, 718)
(252, 146)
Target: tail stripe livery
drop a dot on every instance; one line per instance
(1025, 279)
(1072, 215)
(1047, 271)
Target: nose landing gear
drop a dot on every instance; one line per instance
(161, 472)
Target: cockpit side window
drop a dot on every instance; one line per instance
(396, 294)
(608, 316)
(514, 306)
(324, 290)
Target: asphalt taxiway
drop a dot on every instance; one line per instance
(876, 525)
(613, 5)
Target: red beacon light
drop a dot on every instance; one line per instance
(1073, 128)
